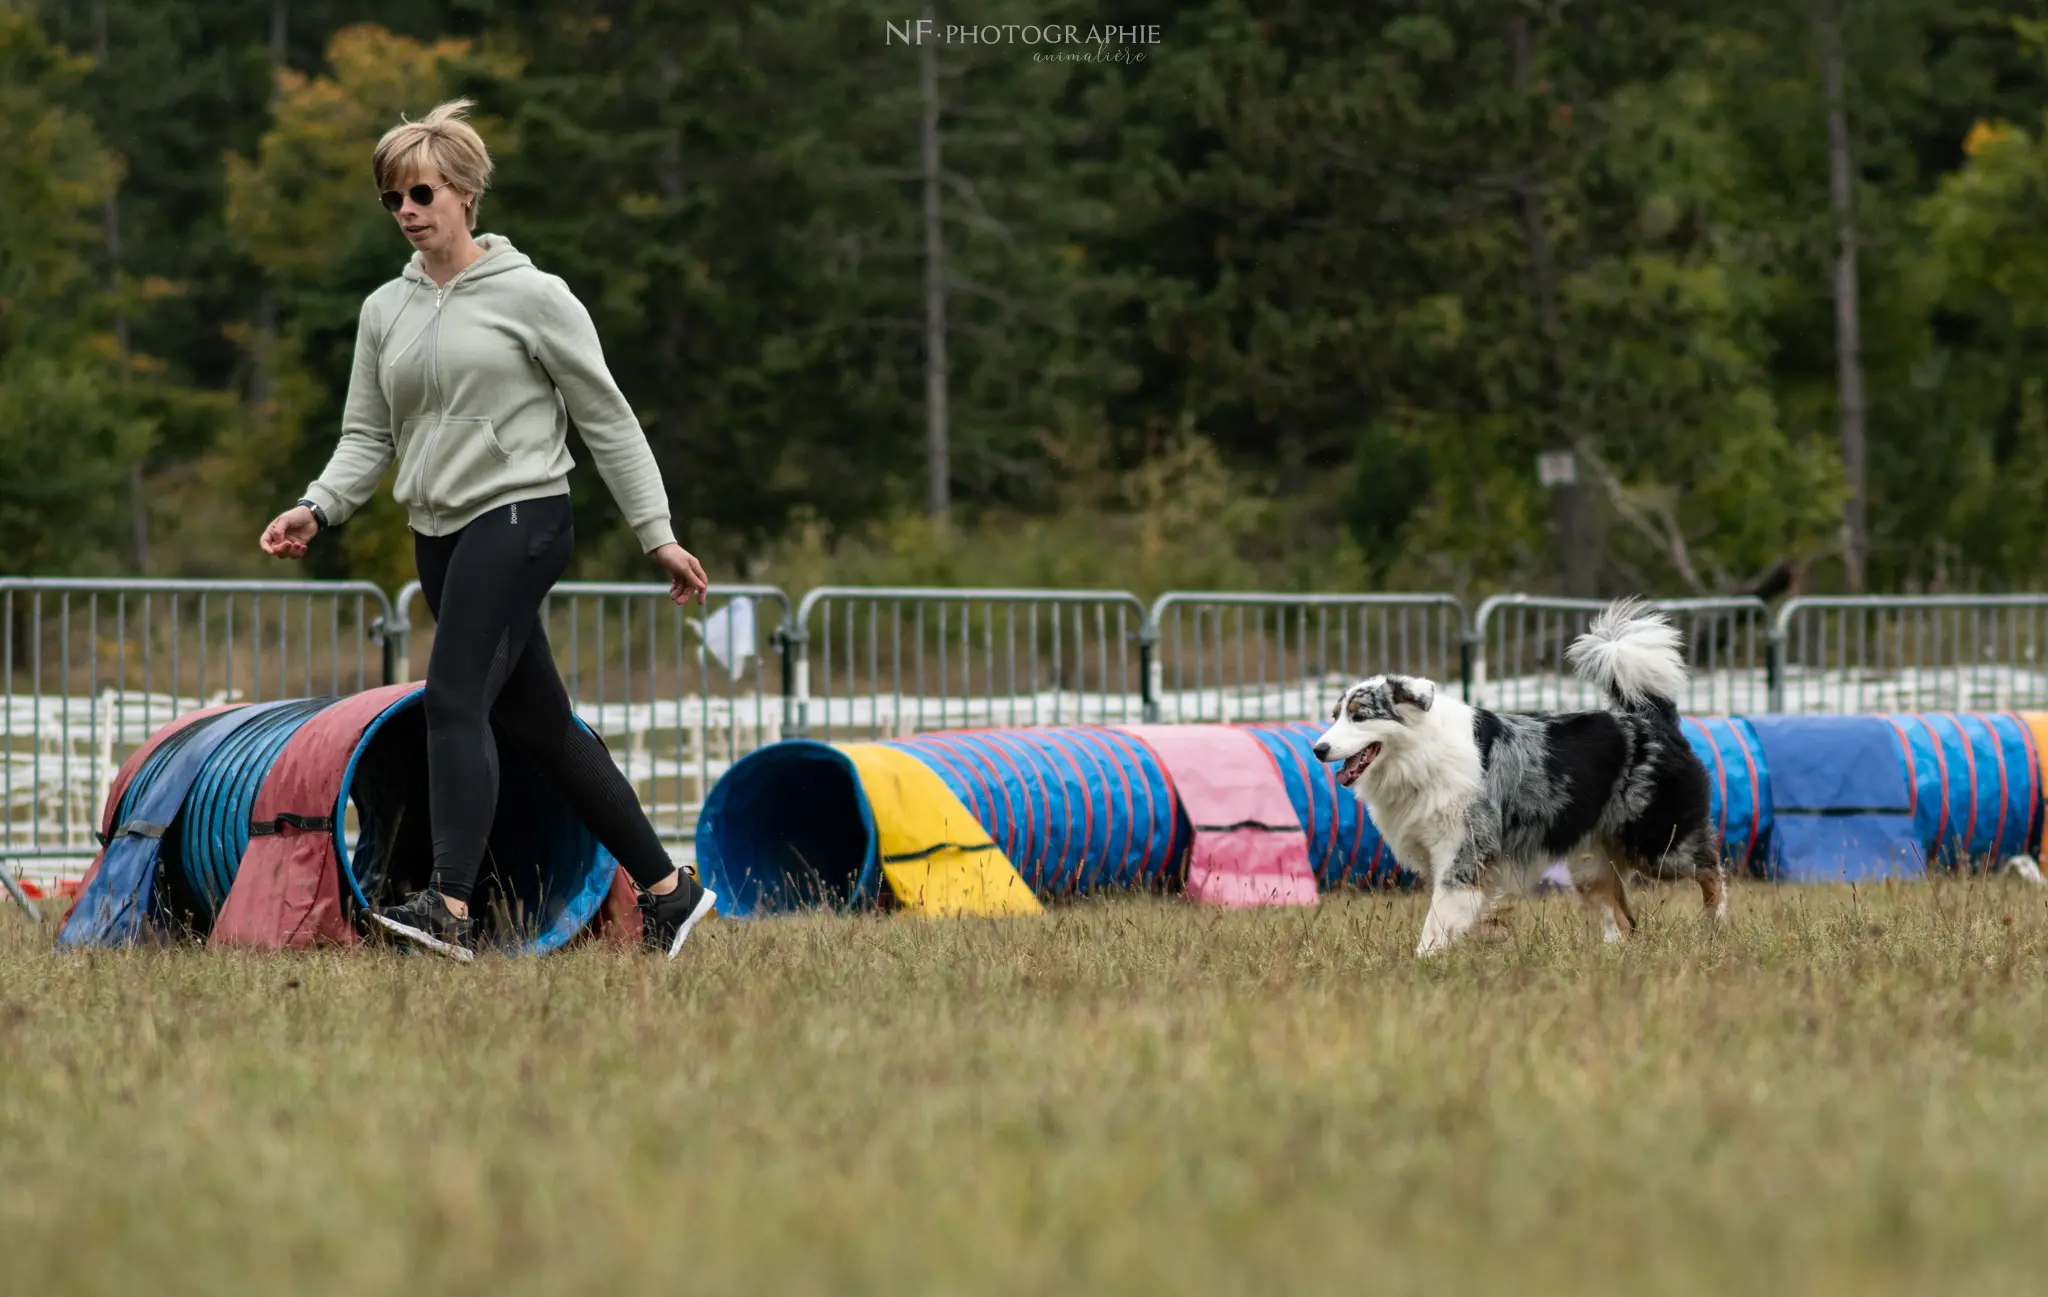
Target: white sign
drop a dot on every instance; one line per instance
(1557, 468)
(729, 634)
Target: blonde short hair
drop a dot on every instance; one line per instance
(442, 140)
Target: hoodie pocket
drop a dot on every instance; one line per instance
(450, 464)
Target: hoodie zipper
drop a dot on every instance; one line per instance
(441, 295)
(440, 397)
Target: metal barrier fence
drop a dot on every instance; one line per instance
(1517, 659)
(1910, 653)
(90, 668)
(879, 662)
(1223, 658)
(677, 694)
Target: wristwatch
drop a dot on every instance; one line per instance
(319, 514)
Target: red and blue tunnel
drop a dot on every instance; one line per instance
(281, 824)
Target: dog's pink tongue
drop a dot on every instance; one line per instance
(1353, 768)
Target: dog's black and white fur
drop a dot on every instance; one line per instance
(1482, 802)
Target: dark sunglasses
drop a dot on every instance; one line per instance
(421, 195)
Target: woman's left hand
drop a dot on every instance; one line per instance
(686, 579)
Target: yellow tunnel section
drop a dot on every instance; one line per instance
(936, 856)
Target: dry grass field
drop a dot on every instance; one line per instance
(1846, 1093)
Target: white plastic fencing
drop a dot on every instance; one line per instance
(680, 695)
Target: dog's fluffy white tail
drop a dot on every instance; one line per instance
(1632, 654)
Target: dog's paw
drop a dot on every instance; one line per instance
(1453, 913)
(1434, 940)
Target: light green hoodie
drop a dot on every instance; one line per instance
(471, 389)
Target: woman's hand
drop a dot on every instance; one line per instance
(686, 579)
(288, 533)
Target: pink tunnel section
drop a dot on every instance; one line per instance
(1249, 847)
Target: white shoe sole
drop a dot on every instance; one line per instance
(705, 904)
(447, 949)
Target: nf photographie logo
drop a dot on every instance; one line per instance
(1050, 42)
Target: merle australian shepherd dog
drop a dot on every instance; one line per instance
(1481, 802)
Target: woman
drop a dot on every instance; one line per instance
(468, 368)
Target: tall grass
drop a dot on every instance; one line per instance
(1845, 1093)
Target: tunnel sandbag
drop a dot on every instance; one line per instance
(1740, 782)
(1249, 847)
(1076, 809)
(287, 893)
(302, 882)
(122, 905)
(1843, 806)
(934, 854)
(203, 858)
(1975, 785)
(1345, 848)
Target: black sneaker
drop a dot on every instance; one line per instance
(665, 921)
(425, 920)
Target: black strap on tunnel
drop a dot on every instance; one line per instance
(908, 856)
(310, 823)
(141, 829)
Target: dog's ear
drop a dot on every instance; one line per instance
(1417, 693)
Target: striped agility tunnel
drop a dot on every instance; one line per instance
(1855, 798)
(278, 825)
(1004, 820)
(1000, 820)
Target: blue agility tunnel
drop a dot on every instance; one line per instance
(544, 874)
(1075, 809)
(1975, 784)
(791, 826)
(1866, 797)
(1740, 780)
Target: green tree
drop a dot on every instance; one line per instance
(67, 429)
(1987, 275)
(1299, 298)
(747, 226)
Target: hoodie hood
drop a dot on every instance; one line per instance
(499, 257)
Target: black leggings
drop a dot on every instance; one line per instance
(491, 663)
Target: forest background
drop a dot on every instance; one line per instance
(1247, 295)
